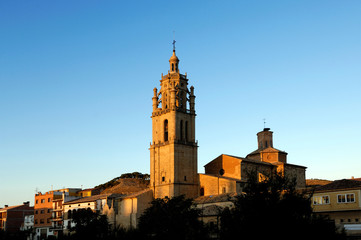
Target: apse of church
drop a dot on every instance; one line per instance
(173, 150)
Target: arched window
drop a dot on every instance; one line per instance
(186, 131)
(181, 130)
(172, 67)
(166, 130)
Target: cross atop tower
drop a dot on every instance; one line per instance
(174, 41)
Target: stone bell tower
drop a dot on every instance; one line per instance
(173, 150)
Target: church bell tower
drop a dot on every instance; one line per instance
(173, 150)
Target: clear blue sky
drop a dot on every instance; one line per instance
(77, 78)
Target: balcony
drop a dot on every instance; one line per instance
(57, 209)
(58, 219)
(57, 228)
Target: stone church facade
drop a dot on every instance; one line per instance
(173, 151)
(173, 155)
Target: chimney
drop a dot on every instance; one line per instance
(6, 206)
(26, 203)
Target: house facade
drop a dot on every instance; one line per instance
(12, 217)
(340, 200)
(45, 224)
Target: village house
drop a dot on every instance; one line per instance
(341, 201)
(12, 217)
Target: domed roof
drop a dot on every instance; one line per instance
(173, 58)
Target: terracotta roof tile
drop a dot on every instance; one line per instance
(339, 184)
(226, 197)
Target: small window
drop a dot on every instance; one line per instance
(346, 198)
(318, 200)
(42, 211)
(49, 199)
(185, 178)
(350, 197)
(201, 192)
(166, 130)
(36, 201)
(41, 220)
(42, 200)
(186, 131)
(181, 130)
(224, 190)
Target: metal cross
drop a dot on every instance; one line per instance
(173, 45)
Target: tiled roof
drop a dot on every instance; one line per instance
(270, 148)
(8, 208)
(220, 177)
(250, 160)
(339, 185)
(356, 179)
(16, 206)
(226, 197)
(212, 210)
(92, 198)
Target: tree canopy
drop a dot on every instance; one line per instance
(274, 208)
(171, 218)
(89, 225)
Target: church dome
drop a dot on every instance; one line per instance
(173, 58)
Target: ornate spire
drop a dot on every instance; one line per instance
(173, 63)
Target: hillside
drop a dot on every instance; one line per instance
(125, 184)
(314, 182)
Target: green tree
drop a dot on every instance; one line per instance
(174, 218)
(89, 225)
(275, 209)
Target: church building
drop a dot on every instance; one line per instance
(173, 155)
(173, 151)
